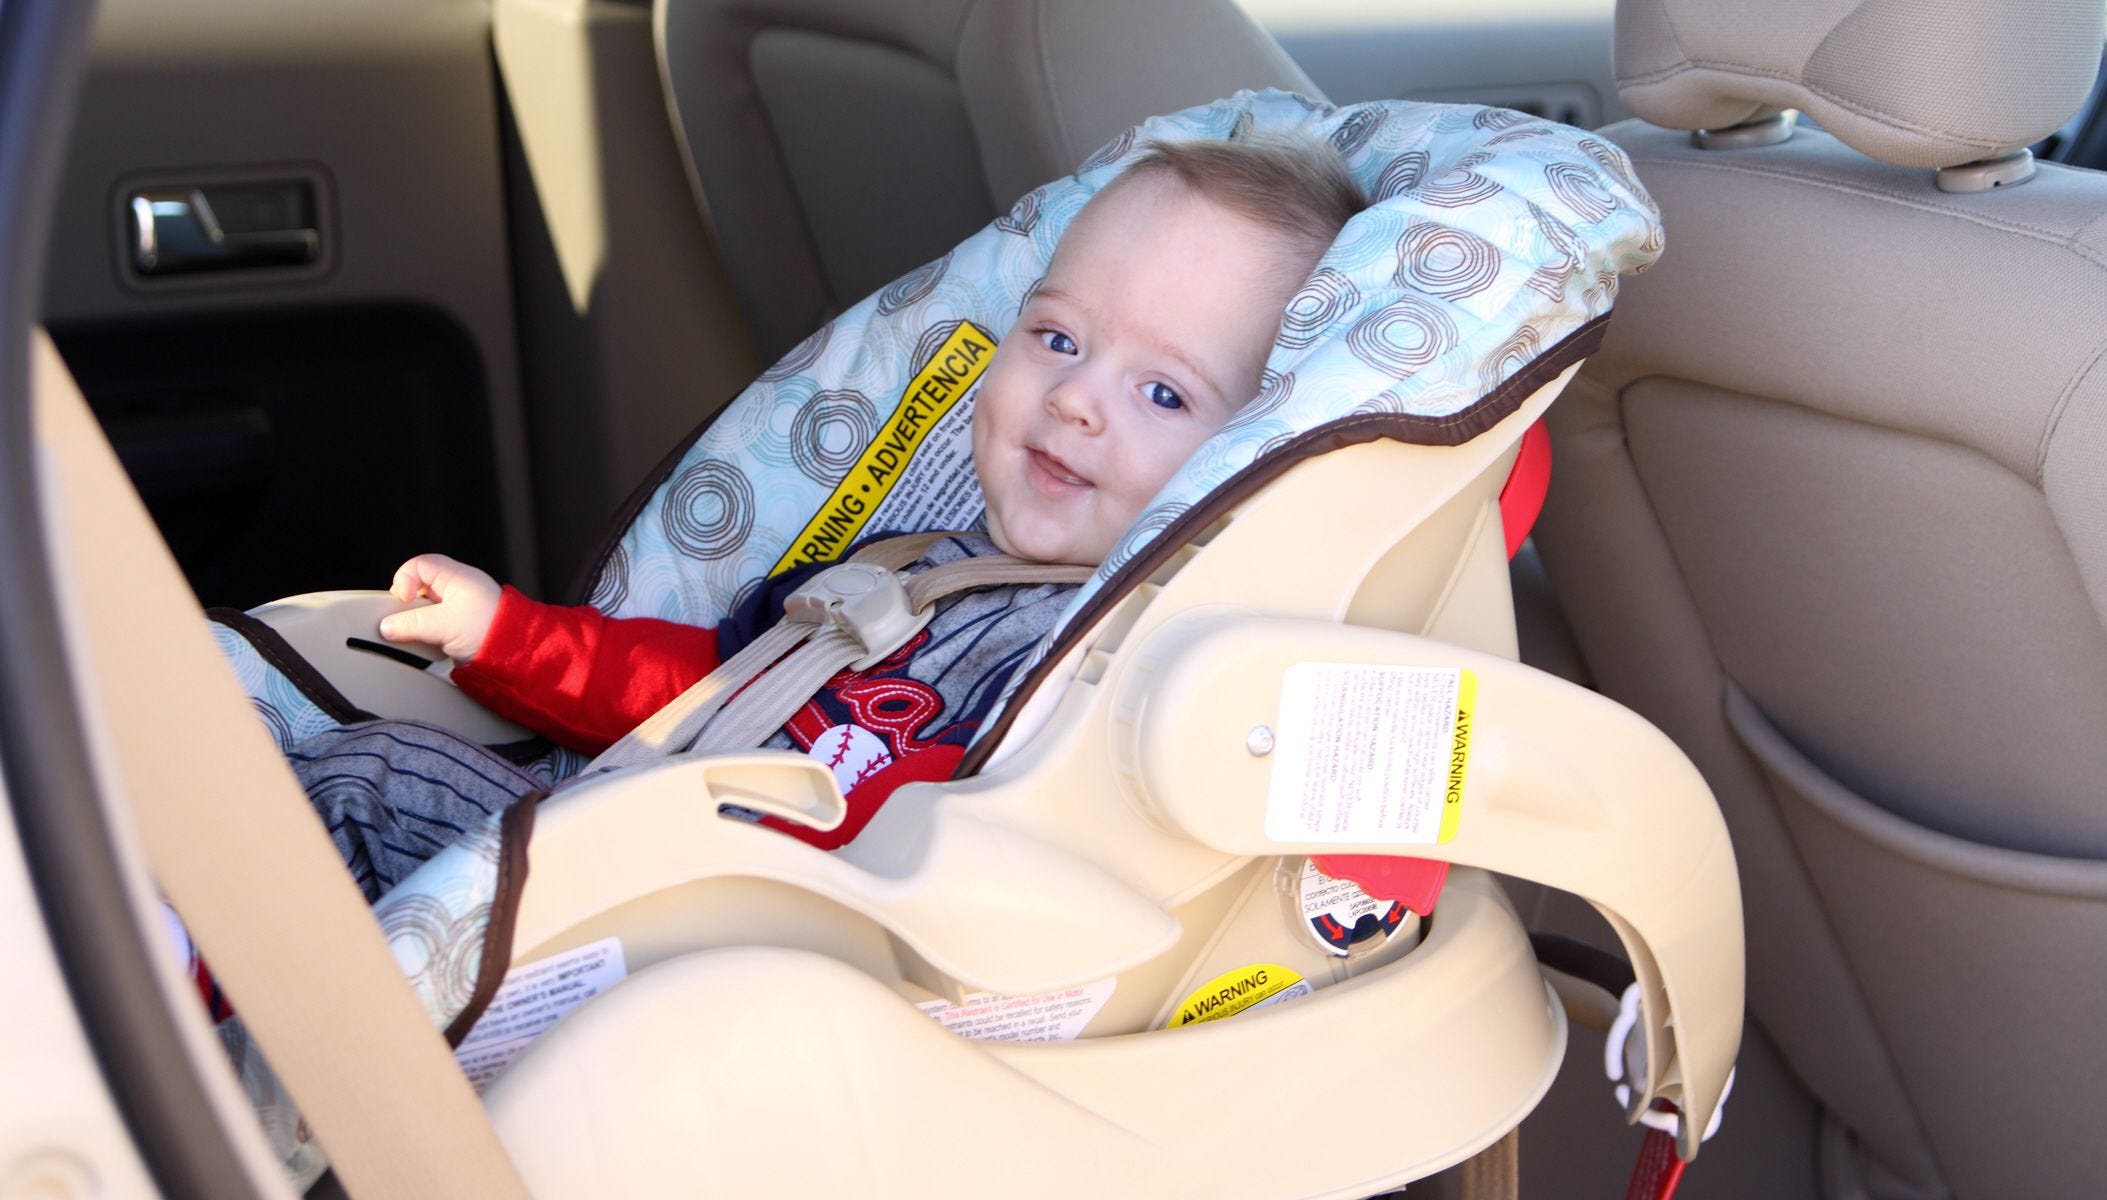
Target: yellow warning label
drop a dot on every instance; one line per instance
(950, 373)
(1459, 754)
(1229, 994)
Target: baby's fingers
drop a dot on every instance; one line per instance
(424, 573)
(410, 578)
(430, 625)
(467, 603)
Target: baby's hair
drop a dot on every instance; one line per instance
(1298, 187)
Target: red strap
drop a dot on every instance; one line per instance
(1522, 499)
(1658, 1169)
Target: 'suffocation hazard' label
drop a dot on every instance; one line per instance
(533, 998)
(1240, 991)
(1370, 754)
(919, 465)
(1048, 1017)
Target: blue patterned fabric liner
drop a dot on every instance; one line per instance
(1492, 235)
(283, 708)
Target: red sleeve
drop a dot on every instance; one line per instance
(578, 677)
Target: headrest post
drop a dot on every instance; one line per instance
(1768, 128)
(1988, 174)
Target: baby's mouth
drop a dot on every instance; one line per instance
(1051, 474)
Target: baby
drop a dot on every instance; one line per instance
(1149, 332)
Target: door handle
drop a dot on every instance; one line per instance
(177, 229)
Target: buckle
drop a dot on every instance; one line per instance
(867, 602)
(1624, 1058)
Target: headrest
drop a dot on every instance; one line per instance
(1493, 243)
(1918, 83)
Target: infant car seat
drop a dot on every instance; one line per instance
(1113, 902)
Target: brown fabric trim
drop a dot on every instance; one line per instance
(515, 829)
(588, 573)
(1453, 430)
(279, 653)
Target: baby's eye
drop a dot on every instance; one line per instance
(1056, 341)
(1163, 396)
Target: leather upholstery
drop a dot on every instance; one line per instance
(1827, 510)
(791, 112)
(1923, 83)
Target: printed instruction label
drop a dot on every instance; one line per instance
(1370, 754)
(918, 472)
(1239, 991)
(531, 999)
(1049, 1017)
(1333, 910)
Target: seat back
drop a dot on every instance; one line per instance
(837, 144)
(1828, 509)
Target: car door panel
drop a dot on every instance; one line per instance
(301, 425)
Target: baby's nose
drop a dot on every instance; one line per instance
(1077, 403)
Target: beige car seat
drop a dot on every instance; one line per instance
(1829, 509)
(1126, 843)
(793, 113)
(1126, 840)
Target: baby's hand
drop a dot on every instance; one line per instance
(467, 603)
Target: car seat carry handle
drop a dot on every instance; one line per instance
(1518, 771)
(994, 908)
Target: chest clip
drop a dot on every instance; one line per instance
(864, 600)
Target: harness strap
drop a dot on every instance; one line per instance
(752, 693)
(673, 727)
(966, 574)
(770, 700)
(895, 553)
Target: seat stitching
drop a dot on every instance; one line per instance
(1828, 37)
(1046, 81)
(1674, 34)
(2080, 233)
(958, 38)
(2067, 241)
(1799, 402)
(1852, 106)
(2056, 411)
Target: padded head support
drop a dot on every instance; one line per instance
(1491, 238)
(1918, 83)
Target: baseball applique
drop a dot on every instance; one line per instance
(853, 752)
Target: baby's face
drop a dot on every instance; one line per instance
(1149, 332)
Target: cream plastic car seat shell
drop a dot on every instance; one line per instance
(1123, 830)
(1829, 510)
(1452, 1040)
